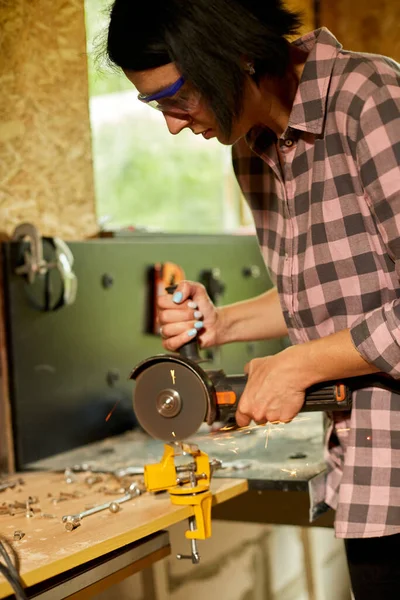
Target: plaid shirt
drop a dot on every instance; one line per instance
(329, 229)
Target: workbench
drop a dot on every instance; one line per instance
(106, 547)
(271, 474)
(273, 459)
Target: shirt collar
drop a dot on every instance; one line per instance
(309, 106)
(310, 103)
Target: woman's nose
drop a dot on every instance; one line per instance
(175, 124)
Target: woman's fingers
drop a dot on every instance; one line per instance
(174, 329)
(186, 313)
(187, 293)
(179, 316)
(177, 334)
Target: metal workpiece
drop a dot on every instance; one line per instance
(73, 521)
(234, 465)
(69, 476)
(29, 510)
(103, 469)
(20, 507)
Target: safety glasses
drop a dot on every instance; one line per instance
(176, 99)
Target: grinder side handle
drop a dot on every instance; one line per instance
(326, 396)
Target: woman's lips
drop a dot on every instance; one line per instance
(208, 134)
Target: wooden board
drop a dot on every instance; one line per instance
(364, 27)
(47, 549)
(306, 9)
(46, 174)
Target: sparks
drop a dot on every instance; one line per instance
(267, 435)
(227, 427)
(292, 472)
(112, 410)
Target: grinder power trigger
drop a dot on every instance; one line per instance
(174, 395)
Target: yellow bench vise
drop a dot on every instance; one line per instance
(188, 484)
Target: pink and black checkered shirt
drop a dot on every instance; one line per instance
(329, 228)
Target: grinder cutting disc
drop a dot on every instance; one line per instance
(170, 401)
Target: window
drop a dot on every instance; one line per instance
(144, 177)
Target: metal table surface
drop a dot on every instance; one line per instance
(281, 457)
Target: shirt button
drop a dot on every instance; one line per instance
(289, 143)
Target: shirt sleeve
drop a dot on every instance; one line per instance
(376, 334)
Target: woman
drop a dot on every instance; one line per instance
(315, 133)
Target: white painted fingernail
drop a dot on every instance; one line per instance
(177, 297)
(198, 314)
(192, 304)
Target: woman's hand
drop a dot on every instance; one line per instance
(187, 313)
(274, 391)
(276, 387)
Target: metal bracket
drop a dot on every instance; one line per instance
(34, 263)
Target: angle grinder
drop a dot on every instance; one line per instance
(174, 395)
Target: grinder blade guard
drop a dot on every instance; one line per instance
(172, 397)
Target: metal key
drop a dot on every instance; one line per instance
(73, 521)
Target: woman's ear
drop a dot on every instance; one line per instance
(249, 67)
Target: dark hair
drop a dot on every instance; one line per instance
(207, 40)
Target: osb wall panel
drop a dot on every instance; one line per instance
(372, 26)
(45, 147)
